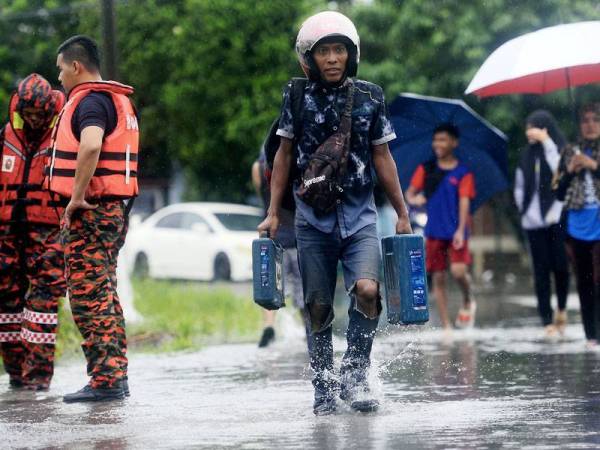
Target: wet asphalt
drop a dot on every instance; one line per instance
(501, 385)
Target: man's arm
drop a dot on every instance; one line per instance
(90, 145)
(414, 193)
(279, 181)
(415, 197)
(464, 204)
(385, 167)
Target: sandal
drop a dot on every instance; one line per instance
(466, 316)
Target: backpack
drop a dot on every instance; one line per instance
(272, 141)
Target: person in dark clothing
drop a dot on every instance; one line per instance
(578, 183)
(337, 105)
(540, 216)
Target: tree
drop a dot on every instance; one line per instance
(31, 31)
(232, 60)
(435, 48)
(209, 73)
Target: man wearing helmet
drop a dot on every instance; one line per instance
(329, 52)
(31, 258)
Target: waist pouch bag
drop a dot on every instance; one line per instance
(321, 183)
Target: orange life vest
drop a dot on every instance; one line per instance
(22, 172)
(116, 172)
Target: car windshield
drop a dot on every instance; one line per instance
(239, 222)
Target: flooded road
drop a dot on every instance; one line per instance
(499, 386)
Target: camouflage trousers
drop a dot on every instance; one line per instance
(31, 283)
(91, 246)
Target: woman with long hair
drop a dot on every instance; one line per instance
(541, 216)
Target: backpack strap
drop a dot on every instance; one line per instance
(297, 98)
(346, 129)
(297, 94)
(433, 177)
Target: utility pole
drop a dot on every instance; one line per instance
(109, 39)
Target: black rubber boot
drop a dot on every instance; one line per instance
(126, 386)
(90, 394)
(267, 337)
(354, 387)
(15, 383)
(320, 349)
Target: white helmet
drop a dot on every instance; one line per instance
(323, 25)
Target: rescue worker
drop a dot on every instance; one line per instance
(328, 51)
(31, 257)
(94, 165)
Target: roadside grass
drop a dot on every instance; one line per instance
(180, 316)
(68, 342)
(176, 316)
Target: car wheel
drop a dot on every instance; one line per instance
(141, 267)
(222, 268)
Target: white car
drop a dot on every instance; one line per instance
(195, 241)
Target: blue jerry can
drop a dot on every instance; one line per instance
(267, 273)
(405, 279)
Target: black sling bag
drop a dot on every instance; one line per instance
(321, 183)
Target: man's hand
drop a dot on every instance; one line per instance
(73, 206)
(270, 225)
(417, 200)
(403, 226)
(458, 241)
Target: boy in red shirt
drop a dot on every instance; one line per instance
(446, 187)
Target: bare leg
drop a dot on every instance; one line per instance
(441, 297)
(268, 318)
(461, 275)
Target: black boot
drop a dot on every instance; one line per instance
(126, 386)
(267, 337)
(354, 387)
(320, 349)
(15, 383)
(90, 394)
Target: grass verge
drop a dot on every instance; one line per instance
(177, 316)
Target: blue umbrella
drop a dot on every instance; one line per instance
(482, 146)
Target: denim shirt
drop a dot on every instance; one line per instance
(322, 108)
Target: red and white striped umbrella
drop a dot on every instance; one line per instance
(546, 60)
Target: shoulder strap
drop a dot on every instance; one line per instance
(430, 166)
(297, 93)
(433, 177)
(346, 130)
